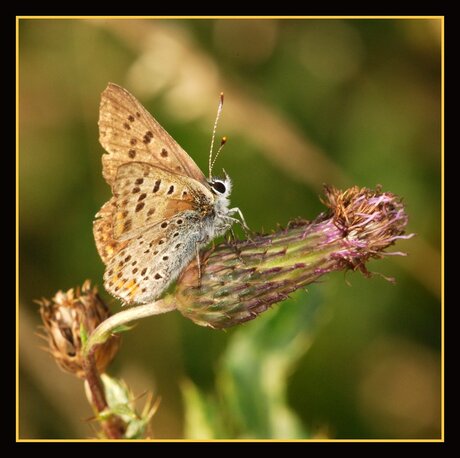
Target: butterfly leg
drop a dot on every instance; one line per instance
(198, 261)
(234, 210)
(241, 222)
(232, 243)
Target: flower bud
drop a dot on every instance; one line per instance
(242, 279)
(68, 318)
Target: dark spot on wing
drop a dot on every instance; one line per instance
(157, 186)
(147, 137)
(127, 225)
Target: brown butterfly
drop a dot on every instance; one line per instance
(163, 208)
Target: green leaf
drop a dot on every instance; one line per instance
(83, 335)
(202, 420)
(121, 403)
(250, 399)
(136, 429)
(116, 391)
(122, 328)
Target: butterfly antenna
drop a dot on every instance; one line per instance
(222, 143)
(219, 111)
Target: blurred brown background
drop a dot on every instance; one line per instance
(308, 102)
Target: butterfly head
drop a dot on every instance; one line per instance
(221, 187)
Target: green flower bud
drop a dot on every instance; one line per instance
(243, 279)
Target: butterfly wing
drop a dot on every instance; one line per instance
(129, 133)
(107, 246)
(157, 220)
(146, 195)
(141, 272)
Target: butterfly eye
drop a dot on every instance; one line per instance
(218, 186)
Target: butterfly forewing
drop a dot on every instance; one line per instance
(129, 133)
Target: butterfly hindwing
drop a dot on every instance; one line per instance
(152, 260)
(106, 244)
(157, 224)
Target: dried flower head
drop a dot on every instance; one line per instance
(68, 318)
(241, 280)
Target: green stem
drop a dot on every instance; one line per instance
(105, 329)
(114, 426)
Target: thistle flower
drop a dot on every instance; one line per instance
(241, 280)
(68, 318)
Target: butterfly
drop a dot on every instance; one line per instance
(163, 208)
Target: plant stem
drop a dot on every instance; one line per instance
(113, 426)
(103, 331)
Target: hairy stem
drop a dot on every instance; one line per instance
(113, 426)
(104, 330)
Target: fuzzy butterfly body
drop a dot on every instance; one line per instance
(163, 208)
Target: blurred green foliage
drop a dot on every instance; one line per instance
(250, 400)
(307, 101)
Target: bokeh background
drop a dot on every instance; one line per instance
(308, 102)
